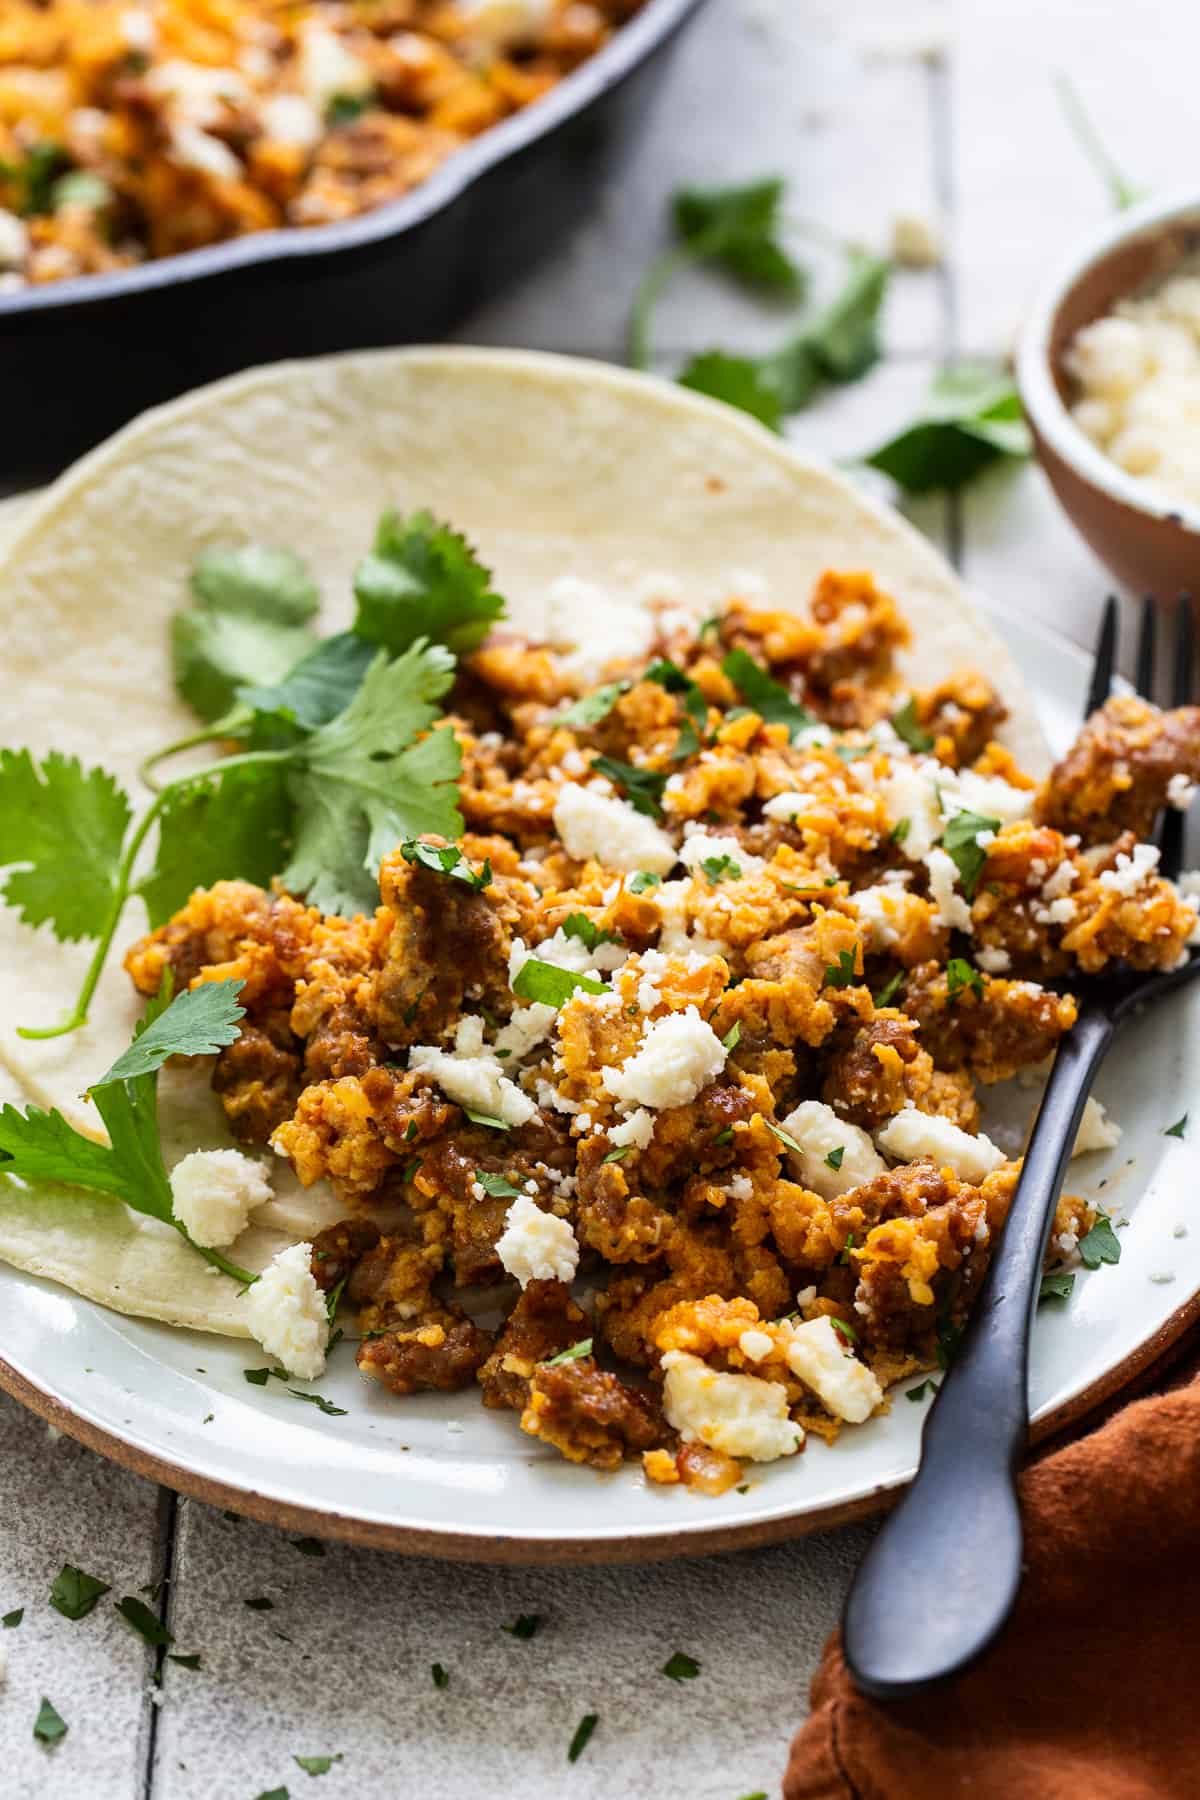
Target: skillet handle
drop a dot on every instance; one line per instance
(940, 1580)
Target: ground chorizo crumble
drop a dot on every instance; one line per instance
(756, 916)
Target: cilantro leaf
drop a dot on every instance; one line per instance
(890, 989)
(906, 725)
(360, 784)
(737, 380)
(768, 697)
(845, 973)
(316, 1765)
(49, 1726)
(591, 708)
(548, 985)
(422, 580)
(498, 1186)
(447, 859)
(959, 840)
(961, 974)
(321, 1403)
(231, 825)
(249, 622)
(476, 1118)
(74, 1593)
(574, 1354)
(642, 880)
(583, 1732)
(1178, 1129)
(733, 1036)
(11, 1620)
(922, 1389)
(721, 868)
(147, 1624)
(1057, 1284)
(1101, 1245)
(616, 1156)
(343, 109)
(680, 1667)
(738, 227)
(970, 419)
(61, 831)
(35, 175)
(313, 691)
(80, 187)
(643, 787)
(524, 1626)
(189, 1661)
(784, 1137)
(198, 1022)
(578, 925)
(441, 1677)
(834, 1159)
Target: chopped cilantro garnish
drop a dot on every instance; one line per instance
(576, 1351)
(49, 1726)
(670, 676)
(846, 972)
(320, 1402)
(949, 1337)
(834, 1159)
(959, 840)
(578, 925)
(906, 725)
(721, 868)
(680, 1666)
(724, 1137)
(1101, 1245)
(970, 419)
(257, 1377)
(961, 974)
(768, 698)
(784, 1138)
(615, 1156)
(922, 1389)
(643, 788)
(890, 989)
(733, 1036)
(591, 708)
(423, 581)
(11, 1620)
(498, 1186)
(146, 1623)
(844, 1329)
(74, 1593)
(41, 1146)
(1057, 1284)
(317, 1765)
(189, 1661)
(642, 880)
(900, 830)
(545, 984)
(342, 109)
(477, 1118)
(583, 1732)
(441, 1676)
(524, 1626)
(447, 859)
(1178, 1129)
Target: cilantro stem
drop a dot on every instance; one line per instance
(1082, 128)
(650, 290)
(218, 1261)
(213, 735)
(124, 879)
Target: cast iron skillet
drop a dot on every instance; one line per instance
(78, 358)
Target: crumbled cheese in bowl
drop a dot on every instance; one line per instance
(286, 1312)
(741, 1415)
(213, 1193)
(536, 1245)
(912, 1134)
(1137, 378)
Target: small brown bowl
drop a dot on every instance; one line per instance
(1150, 542)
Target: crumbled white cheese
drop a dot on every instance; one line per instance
(193, 148)
(916, 241)
(291, 119)
(908, 792)
(755, 1345)
(599, 826)
(788, 805)
(471, 1076)
(740, 1187)
(741, 1415)
(637, 1129)
(213, 1193)
(326, 68)
(1180, 792)
(1060, 882)
(884, 911)
(528, 1027)
(820, 1358)
(1131, 872)
(14, 241)
(589, 626)
(1059, 912)
(1096, 1130)
(952, 909)
(912, 1134)
(286, 1312)
(138, 29)
(962, 790)
(819, 1132)
(992, 960)
(195, 93)
(680, 1054)
(537, 1245)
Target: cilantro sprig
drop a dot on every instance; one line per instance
(422, 580)
(768, 697)
(970, 419)
(960, 840)
(42, 1146)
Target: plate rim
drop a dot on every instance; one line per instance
(563, 1549)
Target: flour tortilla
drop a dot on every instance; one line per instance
(553, 466)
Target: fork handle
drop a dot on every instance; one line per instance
(941, 1578)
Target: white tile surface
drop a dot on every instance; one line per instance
(867, 107)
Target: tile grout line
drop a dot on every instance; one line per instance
(941, 123)
(168, 1520)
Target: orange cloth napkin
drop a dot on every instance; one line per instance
(1093, 1690)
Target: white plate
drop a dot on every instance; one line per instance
(440, 1475)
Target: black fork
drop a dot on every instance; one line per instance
(940, 1580)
